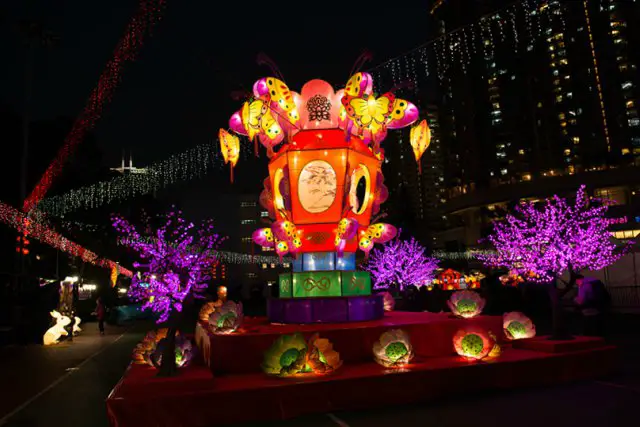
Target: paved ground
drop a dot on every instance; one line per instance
(66, 384)
(53, 393)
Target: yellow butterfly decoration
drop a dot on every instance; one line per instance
(371, 112)
(230, 148)
(420, 137)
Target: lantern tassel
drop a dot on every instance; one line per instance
(231, 173)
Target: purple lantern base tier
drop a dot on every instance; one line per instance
(325, 310)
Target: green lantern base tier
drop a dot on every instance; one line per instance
(321, 284)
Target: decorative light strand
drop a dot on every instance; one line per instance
(452, 48)
(193, 163)
(147, 15)
(39, 231)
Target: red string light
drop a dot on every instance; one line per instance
(39, 231)
(146, 16)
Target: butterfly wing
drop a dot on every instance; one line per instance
(381, 232)
(263, 237)
(270, 131)
(230, 147)
(236, 124)
(359, 84)
(403, 113)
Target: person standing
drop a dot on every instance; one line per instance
(100, 314)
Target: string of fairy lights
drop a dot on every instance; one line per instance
(38, 230)
(518, 25)
(148, 14)
(188, 165)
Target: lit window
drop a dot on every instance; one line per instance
(634, 122)
(264, 266)
(247, 204)
(625, 151)
(521, 151)
(264, 214)
(247, 221)
(627, 85)
(273, 265)
(503, 171)
(286, 265)
(559, 98)
(526, 177)
(630, 104)
(576, 140)
(247, 240)
(567, 152)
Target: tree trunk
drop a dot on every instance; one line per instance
(168, 366)
(559, 329)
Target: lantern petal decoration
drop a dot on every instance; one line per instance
(420, 138)
(145, 348)
(321, 357)
(227, 318)
(347, 230)
(206, 311)
(496, 350)
(393, 349)
(264, 237)
(376, 233)
(518, 326)
(473, 343)
(286, 357)
(466, 304)
(388, 301)
(230, 148)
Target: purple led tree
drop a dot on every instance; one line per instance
(543, 242)
(400, 262)
(177, 262)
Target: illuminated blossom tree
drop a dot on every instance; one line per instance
(544, 241)
(177, 262)
(400, 262)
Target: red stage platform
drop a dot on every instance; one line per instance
(197, 398)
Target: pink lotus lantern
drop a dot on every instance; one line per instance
(466, 304)
(518, 326)
(475, 344)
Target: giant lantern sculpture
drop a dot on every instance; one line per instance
(324, 189)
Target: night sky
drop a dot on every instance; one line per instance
(177, 94)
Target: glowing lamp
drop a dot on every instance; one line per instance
(475, 344)
(393, 349)
(466, 304)
(518, 326)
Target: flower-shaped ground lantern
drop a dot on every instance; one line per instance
(466, 304)
(518, 326)
(324, 187)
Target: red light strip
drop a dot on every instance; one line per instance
(25, 225)
(148, 14)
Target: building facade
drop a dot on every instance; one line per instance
(530, 117)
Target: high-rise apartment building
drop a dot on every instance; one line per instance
(526, 117)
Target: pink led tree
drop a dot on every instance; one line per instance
(400, 262)
(177, 261)
(543, 242)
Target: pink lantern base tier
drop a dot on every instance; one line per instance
(325, 310)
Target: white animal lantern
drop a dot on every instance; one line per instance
(56, 331)
(76, 326)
